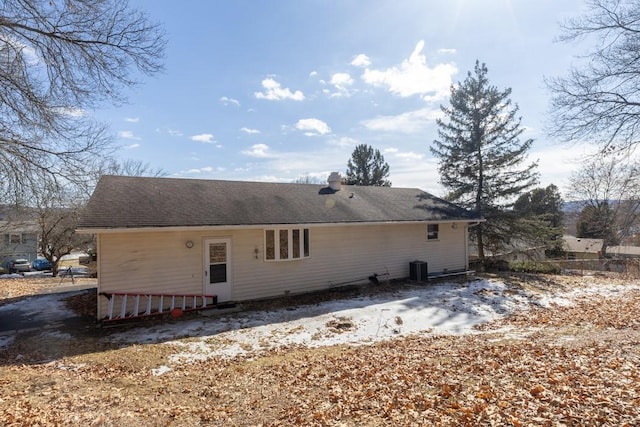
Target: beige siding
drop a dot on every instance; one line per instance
(159, 262)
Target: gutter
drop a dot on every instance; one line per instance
(181, 228)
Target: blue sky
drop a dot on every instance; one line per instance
(274, 90)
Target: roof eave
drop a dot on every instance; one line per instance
(105, 230)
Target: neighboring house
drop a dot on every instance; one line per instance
(18, 240)
(624, 251)
(252, 240)
(582, 248)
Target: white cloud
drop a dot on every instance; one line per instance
(172, 132)
(132, 146)
(342, 82)
(258, 150)
(410, 122)
(274, 92)
(345, 141)
(249, 131)
(414, 77)
(447, 51)
(361, 60)
(30, 54)
(127, 134)
(203, 170)
(72, 112)
(207, 138)
(313, 74)
(556, 163)
(416, 173)
(403, 155)
(226, 101)
(409, 155)
(132, 119)
(314, 126)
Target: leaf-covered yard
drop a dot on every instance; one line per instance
(566, 354)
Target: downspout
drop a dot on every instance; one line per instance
(466, 242)
(98, 275)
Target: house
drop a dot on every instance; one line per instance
(253, 240)
(18, 240)
(582, 248)
(623, 251)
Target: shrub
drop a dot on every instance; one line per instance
(535, 267)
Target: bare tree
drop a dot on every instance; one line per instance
(57, 212)
(610, 188)
(59, 59)
(599, 101)
(129, 167)
(57, 209)
(309, 179)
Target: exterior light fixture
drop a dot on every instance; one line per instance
(189, 244)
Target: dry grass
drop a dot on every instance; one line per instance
(575, 366)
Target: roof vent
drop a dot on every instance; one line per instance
(335, 181)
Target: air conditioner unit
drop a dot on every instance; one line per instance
(418, 271)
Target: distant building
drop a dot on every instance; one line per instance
(582, 248)
(624, 251)
(18, 240)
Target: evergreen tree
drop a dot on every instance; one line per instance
(367, 167)
(540, 210)
(598, 222)
(481, 156)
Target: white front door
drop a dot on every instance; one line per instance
(217, 264)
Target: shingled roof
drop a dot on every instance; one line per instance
(120, 202)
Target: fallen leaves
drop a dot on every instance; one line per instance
(18, 287)
(574, 365)
(340, 324)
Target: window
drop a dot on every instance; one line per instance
(270, 244)
(432, 231)
(286, 244)
(15, 239)
(295, 233)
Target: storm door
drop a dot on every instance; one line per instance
(217, 264)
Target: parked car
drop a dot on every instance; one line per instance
(41, 264)
(20, 266)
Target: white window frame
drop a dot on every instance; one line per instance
(18, 237)
(304, 236)
(433, 235)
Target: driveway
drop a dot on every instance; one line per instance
(43, 311)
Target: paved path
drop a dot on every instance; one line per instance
(42, 311)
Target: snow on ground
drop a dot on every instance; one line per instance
(439, 309)
(593, 287)
(76, 271)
